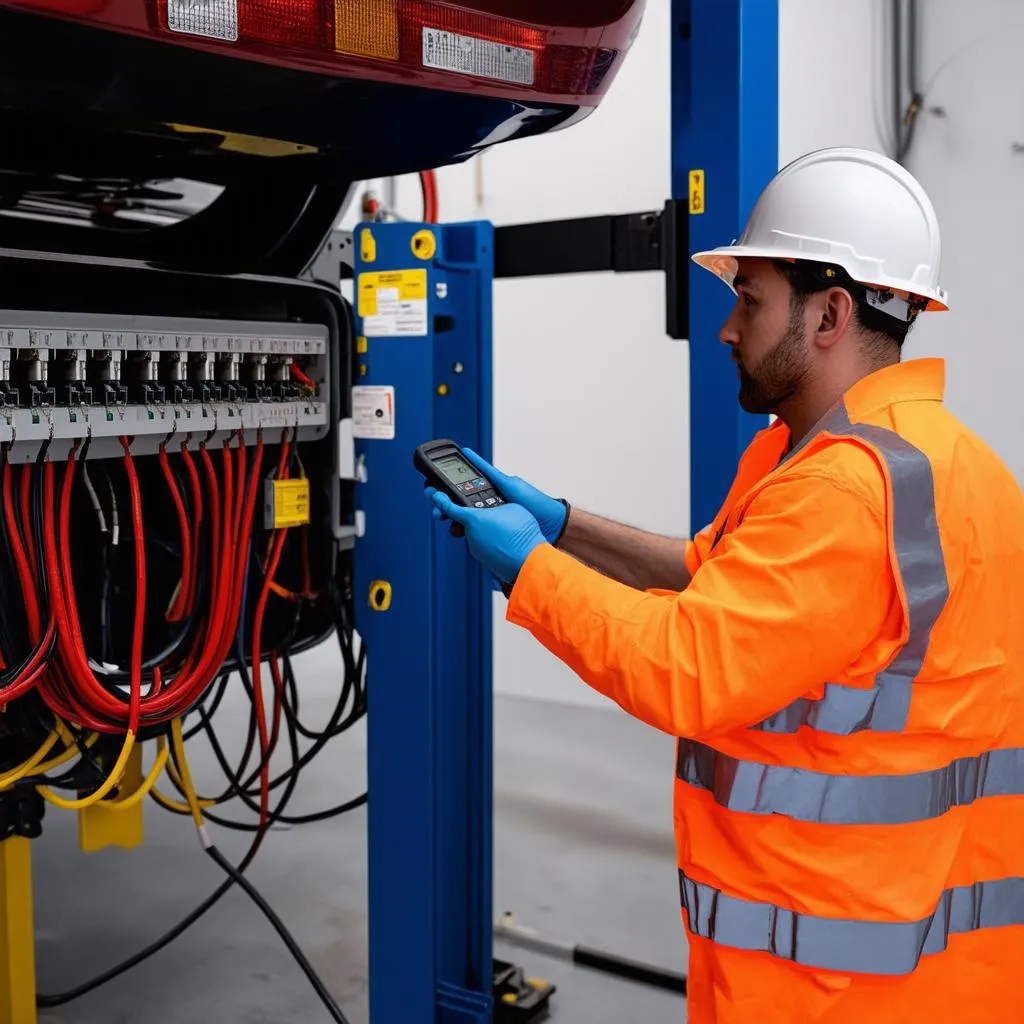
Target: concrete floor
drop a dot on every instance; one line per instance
(583, 854)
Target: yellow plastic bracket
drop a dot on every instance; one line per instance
(17, 935)
(106, 824)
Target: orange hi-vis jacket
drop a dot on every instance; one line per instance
(845, 672)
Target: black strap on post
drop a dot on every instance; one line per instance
(619, 243)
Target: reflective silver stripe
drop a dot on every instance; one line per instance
(754, 788)
(886, 706)
(856, 947)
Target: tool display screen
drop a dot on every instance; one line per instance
(456, 469)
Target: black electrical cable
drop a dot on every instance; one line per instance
(247, 792)
(239, 879)
(290, 776)
(49, 1002)
(217, 691)
(353, 676)
(44, 1001)
(52, 1001)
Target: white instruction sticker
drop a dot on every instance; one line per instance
(393, 303)
(468, 55)
(215, 19)
(373, 412)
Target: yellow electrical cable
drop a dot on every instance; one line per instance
(168, 804)
(60, 732)
(186, 777)
(14, 775)
(93, 798)
(172, 774)
(159, 763)
(66, 755)
(63, 757)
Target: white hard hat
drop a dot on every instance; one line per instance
(853, 209)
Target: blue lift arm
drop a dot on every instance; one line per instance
(423, 606)
(725, 129)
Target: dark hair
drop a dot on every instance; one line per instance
(807, 277)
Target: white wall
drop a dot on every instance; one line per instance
(831, 78)
(589, 353)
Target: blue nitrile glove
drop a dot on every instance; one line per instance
(550, 513)
(500, 538)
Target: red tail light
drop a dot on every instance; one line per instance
(413, 33)
(446, 40)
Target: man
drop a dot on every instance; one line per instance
(841, 652)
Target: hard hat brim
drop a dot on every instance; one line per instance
(723, 262)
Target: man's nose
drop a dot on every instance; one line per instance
(729, 335)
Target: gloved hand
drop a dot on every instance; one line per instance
(500, 538)
(550, 513)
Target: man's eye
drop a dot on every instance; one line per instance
(747, 299)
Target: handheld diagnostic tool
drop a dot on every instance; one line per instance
(445, 467)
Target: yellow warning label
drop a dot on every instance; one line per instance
(291, 503)
(393, 302)
(696, 191)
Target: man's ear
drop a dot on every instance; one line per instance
(836, 311)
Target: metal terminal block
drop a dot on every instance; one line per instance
(103, 371)
(152, 376)
(279, 376)
(228, 366)
(68, 378)
(254, 372)
(9, 397)
(141, 370)
(28, 372)
(174, 374)
(201, 374)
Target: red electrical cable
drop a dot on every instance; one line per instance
(78, 707)
(257, 668)
(177, 610)
(202, 671)
(26, 517)
(278, 680)
(428, 185)
(302, 377)
(257, 675)
(88, 702)
(138, 632)
(197, 520)
(25, 575)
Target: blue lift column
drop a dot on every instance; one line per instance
(725, 128)
(423, 608)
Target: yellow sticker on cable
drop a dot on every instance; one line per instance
(286, 503)
(696, 191)
(393, 303)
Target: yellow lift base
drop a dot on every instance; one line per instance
(17, 934)
(98, 827)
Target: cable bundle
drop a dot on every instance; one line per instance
(100, 650)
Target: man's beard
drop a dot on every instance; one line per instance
(780, 374)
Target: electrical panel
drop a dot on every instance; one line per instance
(67, 377)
